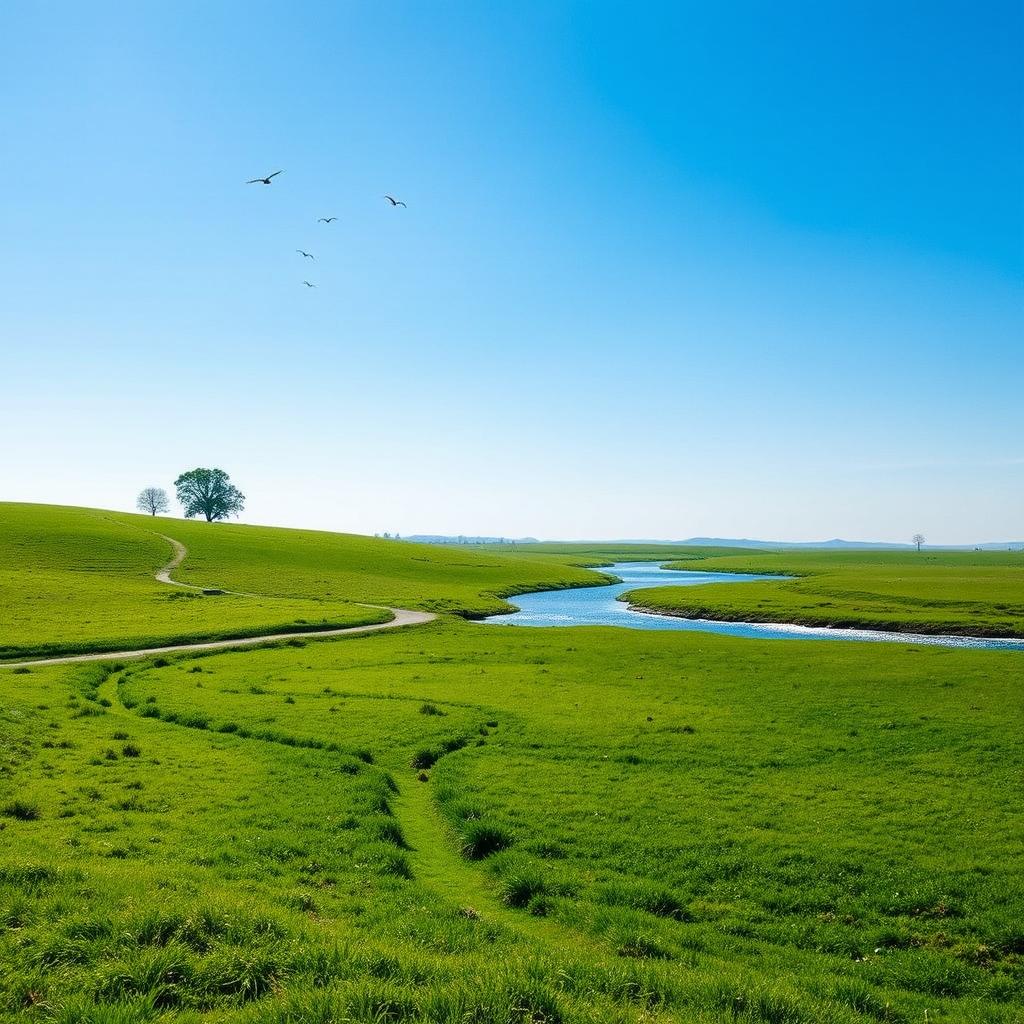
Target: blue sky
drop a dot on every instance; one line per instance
(665, 270)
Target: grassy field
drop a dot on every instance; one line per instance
(74, 580)
(600, 554)
(460, 822)
(978, 593)
(464, 824)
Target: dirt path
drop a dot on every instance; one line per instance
(178, 553)
(400, 617)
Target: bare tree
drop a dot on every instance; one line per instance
(918, 539)
(152, 500)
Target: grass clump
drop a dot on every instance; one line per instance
(22, 810)
(481, 839)
(425, 758)
(644, 895)
(523, 883)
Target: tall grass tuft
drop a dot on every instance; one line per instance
(481, 839)
(23, 810)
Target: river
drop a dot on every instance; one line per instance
(597, 606)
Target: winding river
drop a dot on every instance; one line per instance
(597, 606)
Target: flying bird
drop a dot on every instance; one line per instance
(308, 285)
(394, 202)
(308, 255)
(325, 220)
(263, 181)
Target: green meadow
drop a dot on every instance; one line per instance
(978, 593)
(75, 580)
(458, 823)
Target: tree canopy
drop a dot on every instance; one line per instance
(209, 493)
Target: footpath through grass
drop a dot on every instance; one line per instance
(464, 823)
(978, 593)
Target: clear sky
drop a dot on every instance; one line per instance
(666, 269)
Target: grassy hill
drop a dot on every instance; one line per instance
(968, 592)
(333, 566)
(75, 579)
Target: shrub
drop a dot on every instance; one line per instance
(22, 671)
(431, 709)
(131, 750)
(22, 810)
(119, 734)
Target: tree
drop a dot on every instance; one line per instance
(918, 539)
(152, 500)
(210, 493)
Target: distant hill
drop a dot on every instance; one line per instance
(731, 542)
(440, 538)
(728, 542)
(725, 542)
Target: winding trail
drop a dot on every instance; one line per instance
(178, 553)
(440, 866)
(400, 617)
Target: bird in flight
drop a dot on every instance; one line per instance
(308, 255)
(263, 181)
(393, 201)
(325, 220)
(308, 285)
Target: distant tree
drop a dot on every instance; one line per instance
(209, 493)
(152, 500)
(918, 539)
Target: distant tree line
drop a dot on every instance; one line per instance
(200, 492)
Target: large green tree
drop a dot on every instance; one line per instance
(209, 493)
